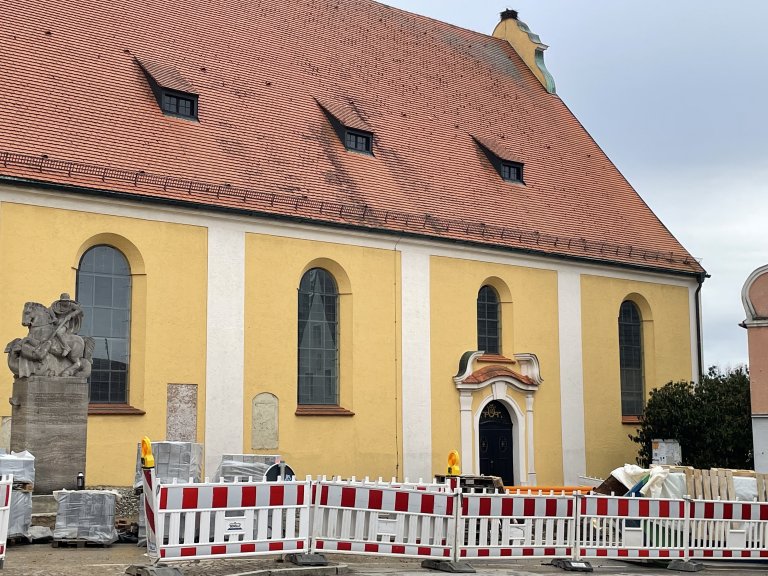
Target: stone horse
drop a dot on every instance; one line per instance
(49, 349)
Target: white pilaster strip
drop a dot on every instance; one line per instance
(225, 350)
(531, 444)
(571, 376)
(417, 402)
(467, 435)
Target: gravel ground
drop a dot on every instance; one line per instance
(127, 506)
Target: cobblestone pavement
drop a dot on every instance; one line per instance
(43, 560)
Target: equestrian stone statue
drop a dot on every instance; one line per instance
(52, 347)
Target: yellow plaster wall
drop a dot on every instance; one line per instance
(529, 325)
(368, 279)
(40, 249)
(666, 350)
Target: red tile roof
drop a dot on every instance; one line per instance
(76, 108)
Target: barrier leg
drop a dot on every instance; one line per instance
(686, 565)
(455, 565)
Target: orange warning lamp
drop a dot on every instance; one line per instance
(147, 459)
(454, 463)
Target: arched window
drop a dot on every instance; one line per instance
(631, 359)
(318, 338)
(104, 292)
(488, 325)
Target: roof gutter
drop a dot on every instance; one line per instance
(104, 192)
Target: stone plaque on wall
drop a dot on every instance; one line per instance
(264, 421)
(181, 423)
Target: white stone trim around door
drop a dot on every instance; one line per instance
(498, 387)
(224, 370)
(417, 374)
(571, 377)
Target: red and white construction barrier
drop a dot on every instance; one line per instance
(233, 520)
(729, 530)
(437, 521)
(620, 527)
(6, 490)
(383, 520)
(504, 525)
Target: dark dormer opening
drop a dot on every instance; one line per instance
(502, 159)
(358, 141)
(175, 96)
(353, 131)
(512, 171)
(179, 104)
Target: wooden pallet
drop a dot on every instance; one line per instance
(17, 540)
(77, 543)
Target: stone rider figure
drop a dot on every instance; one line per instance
(69, 316)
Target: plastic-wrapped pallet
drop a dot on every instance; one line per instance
(20, 464)
(173, 461)
(20, 515)
(86, 515)
(244, 466)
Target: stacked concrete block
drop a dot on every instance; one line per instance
(86, 515)
(22, 466)
(20, 515)
(180, 461)
(244, 466)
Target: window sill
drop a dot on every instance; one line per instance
(631, 420)
(322, 410)
(117, 409)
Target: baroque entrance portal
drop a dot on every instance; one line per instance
(496, 447)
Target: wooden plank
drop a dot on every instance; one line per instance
(730, 488)
(706, 485)
(698, 490)
(762, 487)
(722, 485)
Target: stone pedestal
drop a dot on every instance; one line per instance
(50, 419)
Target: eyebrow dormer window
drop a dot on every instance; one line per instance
(352, 129)
(503, 160)
(178, 104)
(358, 141)
(175, 96)
(512, 171)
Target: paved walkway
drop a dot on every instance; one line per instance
(43, 560)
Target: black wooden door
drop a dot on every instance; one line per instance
(496, 453)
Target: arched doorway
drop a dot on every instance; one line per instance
(496, 447)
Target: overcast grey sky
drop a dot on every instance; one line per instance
(675, 93)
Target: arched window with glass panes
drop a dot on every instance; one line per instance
(104, 293)
(318, 339)
(631, 359)
(488, 321)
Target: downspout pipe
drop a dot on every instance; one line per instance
(699, 352)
